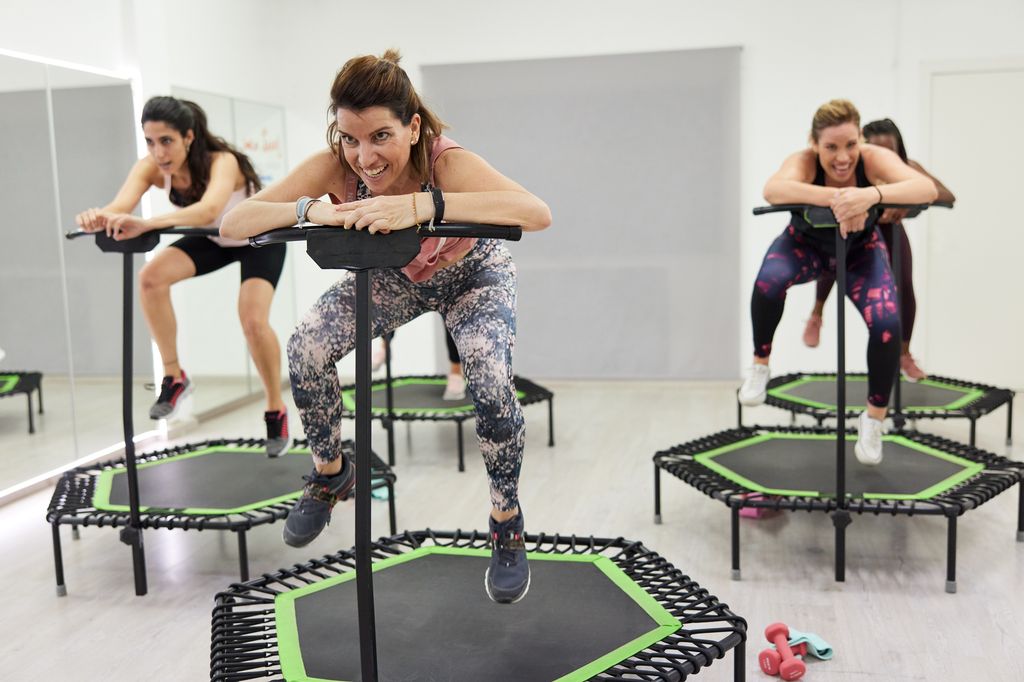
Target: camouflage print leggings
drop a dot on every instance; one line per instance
(477, 299)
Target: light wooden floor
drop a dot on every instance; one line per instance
(890, 621)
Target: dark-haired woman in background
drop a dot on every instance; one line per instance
(884, 133)
(205, 177)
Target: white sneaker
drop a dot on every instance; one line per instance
(456, 387)
(755, 388)
(869, 440)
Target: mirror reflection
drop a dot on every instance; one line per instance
(34, 331)
(95, 146)
(226, 317)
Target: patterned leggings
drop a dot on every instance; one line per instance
(908, 301)
(477, 300)
(791, 259)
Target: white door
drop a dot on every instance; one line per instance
(972, 292)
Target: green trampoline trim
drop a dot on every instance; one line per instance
(970, 469)
(104, 484)
(8, 382)
(290, 653)
(348, 399)
(969, 394)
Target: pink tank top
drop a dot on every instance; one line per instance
(435, 252)
(236, 198)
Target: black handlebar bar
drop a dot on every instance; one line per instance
(197, 231)
(471, 230)
(822, 216)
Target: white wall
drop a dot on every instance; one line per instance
(796, 55)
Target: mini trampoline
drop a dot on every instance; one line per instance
(436, 625)
(212, 485)
(598, 609)
(14, 383)
(419, 398)
(792, 469)
(933, 398)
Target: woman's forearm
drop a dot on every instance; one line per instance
(505, 207)
(778, 192)
(919, 190)
(253, 217)
(196, 215)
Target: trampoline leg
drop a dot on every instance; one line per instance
(1020, 512)
(739, 412)
(1010, 423)
(243, 556)
(462, 457)
(792, 418)
(75, 535)
(391, 509)
(735, 543)
(31, 421)
(58, 562)
(739, 662)
(974, 429)
(551, 422)
(39, 395)
(657, 494)
(389, 426)
(841, 519)
(951, 556)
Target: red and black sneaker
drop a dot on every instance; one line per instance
(278, 439)
(171, 393)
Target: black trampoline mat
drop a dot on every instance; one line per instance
(435, 622)
(806, 465)
(414, 394)
(417, 395)
(821, 392)
(209, 481)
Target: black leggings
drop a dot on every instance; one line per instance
(793, 259)
(908, 301)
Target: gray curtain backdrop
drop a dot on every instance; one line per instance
(638, 157)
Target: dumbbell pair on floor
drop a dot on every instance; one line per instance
(782, 660)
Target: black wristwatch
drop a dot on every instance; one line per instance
(438, 198)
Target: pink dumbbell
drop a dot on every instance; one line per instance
(781, 660)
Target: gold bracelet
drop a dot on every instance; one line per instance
(415, 215)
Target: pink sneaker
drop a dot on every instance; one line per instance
(812, 331)
(909, 368)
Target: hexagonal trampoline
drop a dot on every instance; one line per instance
(211, 485)
(419, 398)
(932, 398)
(795, 469)
(596, 609)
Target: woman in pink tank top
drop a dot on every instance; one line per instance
(387, 168)
(205, 177)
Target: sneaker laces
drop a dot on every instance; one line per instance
(317, 490)
(167, 389)
(277, 424)
(508, 544)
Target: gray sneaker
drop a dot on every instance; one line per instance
(171, 394)
(312, 511)
(508, 577)
(278, 439)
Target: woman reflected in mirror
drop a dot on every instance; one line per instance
(204, 177)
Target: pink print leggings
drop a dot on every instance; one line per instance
(793, 259)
